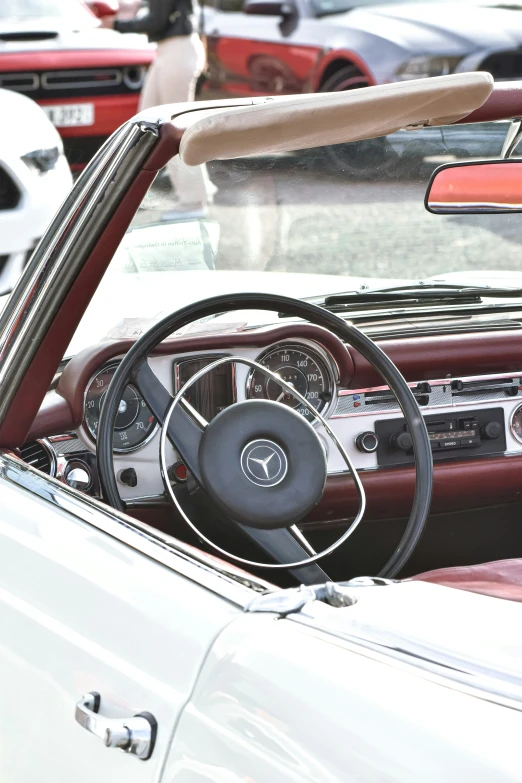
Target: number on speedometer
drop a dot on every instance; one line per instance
(134, 423)
(301, 367)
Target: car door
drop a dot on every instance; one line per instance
(260, 53)
(285, 701)
(86, 607)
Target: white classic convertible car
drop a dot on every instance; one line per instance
(260, 471)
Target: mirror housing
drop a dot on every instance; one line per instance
(476, 187)
(282, 8)
(101, 8)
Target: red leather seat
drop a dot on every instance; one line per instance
(500, 578)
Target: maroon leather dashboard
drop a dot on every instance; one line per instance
(459, 484)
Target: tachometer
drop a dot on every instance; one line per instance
(300, 366)
(515, 423)
(134, 424)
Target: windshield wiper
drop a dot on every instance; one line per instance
(418, 293)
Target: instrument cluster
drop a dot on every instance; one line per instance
(306, 369)
(135, 425)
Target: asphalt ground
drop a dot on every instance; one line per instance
(298, 214)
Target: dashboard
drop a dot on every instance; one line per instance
(472, 420)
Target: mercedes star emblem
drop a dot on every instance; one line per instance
(264, 463)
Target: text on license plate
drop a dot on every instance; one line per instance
(70, 114)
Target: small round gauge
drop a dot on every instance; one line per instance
(300, 366)
(515, 423)
(134, 423)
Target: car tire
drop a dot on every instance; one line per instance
(368, 159)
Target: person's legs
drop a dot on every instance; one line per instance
(150, 93)
(180, 62)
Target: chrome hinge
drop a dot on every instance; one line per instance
(369, 581)
(417, 125)
(292, 601)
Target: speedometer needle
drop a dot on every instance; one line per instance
(282, 395)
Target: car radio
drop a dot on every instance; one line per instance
(452, 435)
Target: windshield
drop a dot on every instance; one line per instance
(304, 224)
(34, 9)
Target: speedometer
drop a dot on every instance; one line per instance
(134, 423)
(301, 367)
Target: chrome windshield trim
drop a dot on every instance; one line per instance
(212, 574)
(61, 255)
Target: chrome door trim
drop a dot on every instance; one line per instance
(212, 574)
(440, 668)
(61, 255)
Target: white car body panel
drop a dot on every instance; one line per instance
(292, 701)
(414, 682)
(41, 194)
(80, 612)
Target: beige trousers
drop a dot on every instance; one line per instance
(172, 79)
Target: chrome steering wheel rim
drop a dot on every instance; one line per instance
(134, 369)
(317, 416)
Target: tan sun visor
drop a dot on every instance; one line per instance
(316, 120)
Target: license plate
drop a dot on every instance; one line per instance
(70, 115)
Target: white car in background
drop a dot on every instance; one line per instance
(34, 180)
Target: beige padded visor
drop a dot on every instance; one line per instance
(315, 120)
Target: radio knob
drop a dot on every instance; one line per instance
(367, 442)
(491, 430)
(402, 441)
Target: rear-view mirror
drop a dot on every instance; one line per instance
(493, 186)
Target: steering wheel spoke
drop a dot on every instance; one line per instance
(185, 426)
(282, 544)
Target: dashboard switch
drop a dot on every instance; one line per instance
(423, 388)
(177, 473)
(128, 477)
(367, 442)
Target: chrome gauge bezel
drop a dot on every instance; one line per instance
(86, 427)
(511, 427)
(308, 347)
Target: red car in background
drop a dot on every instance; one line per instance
(87, 79)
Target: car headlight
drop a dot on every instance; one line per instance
(423, 67)
(42, 161)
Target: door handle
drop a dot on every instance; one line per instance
(136, 734)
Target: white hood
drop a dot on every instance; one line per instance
(25, 127)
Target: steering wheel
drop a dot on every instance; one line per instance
(262, 466)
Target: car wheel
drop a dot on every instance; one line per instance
(367, 159)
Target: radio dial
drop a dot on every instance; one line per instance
(367, 442)
(491, 430)
(402, 441)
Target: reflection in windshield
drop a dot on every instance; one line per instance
(307, 224)
(354, 209)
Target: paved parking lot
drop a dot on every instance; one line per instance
(297, 217)
(293, 214)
